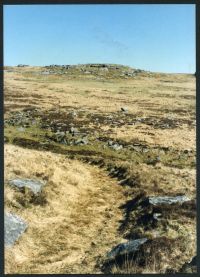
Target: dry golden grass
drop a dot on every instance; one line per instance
(146, 96)
(79, 210)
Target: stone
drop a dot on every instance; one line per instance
(158, 159)
(34, 122)
(117, 147)
(110, 143)
(45, 73)
(105, 69)
(21, 129)
(34, 186)
(167, 200)
(82, 141)
(14, 228)
(74, 114)
(126, 248)
(124, 109)
(157, 216)
(73, 130)
(60, 135)
(137, 148)
(114, 146)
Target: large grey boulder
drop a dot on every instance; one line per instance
(126, 248)
(14, 228)
(160, 200)
(33, 185)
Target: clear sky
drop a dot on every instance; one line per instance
(155, 37)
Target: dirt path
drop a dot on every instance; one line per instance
(77, 226)
(92, 227)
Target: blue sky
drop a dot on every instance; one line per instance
(158, 38)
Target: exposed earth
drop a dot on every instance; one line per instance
(114, 149)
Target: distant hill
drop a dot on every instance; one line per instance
(98, 70)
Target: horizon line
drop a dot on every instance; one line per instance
(29, 65)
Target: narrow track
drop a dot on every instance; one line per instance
(77, 226)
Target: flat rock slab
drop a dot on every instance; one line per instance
(34, 186)
(126, 248)
(14, 228)
(168, 200)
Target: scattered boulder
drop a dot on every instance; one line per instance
(60, 136)
(14, 228)
(104, 69)
(158, 159)
(117, 147)
(136, 148)
(110, 143)
(126, 248)
(73, 131)
(82, 141)
(124, 109)
(74, 114)
(157, 216)
(167, 200)
(110, 117)
(154, 161)
(138, 120)
(45, 73)
(145, 150)
(114, 145)
(34, 186)
(21, 129)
